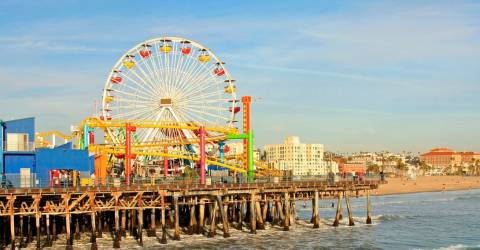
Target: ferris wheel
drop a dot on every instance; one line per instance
(169, 79)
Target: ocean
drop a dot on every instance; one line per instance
(436, 220)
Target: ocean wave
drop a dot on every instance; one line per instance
(458, 247)
(469, 197)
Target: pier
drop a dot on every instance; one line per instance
(166, 211)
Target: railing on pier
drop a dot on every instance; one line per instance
(184, 183)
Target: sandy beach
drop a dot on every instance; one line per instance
(428, 184)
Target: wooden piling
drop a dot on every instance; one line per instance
(192, 222)
(241, 212)
(123, 232)
(66, 200)
(349, 209)
(253, 219)
(286, 205)
(315, 218)
(163, 222)
(54, 229)
(369, 209)
(140, 227)
(77, 228)
(176, 235)
(201, 220)
(48, 241)
(339, 209)
(37, 220)
(93, 236)
(223, 213)
(259, 216)
(116, 234)
(213, 223)
(152, 232)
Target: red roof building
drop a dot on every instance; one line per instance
(445, 157)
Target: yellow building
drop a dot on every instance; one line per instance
(299, 158)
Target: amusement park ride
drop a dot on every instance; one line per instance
(168, 104)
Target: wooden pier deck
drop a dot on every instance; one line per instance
(154, 208)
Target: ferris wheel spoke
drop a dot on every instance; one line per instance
(143, 80)
(203, 83)
(136, 97)
(206, 113)
(147, 78)
(151, 67)
(196, 117)
(204, 93)
(123, 100)
(145, 91)
(133, 113)
(136, 93)
(201, 72)
(192, 67)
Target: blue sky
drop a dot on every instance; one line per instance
(354, 75)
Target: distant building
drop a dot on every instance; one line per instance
(443, 158)
(298, 158)
(353, 167)
(236, 148)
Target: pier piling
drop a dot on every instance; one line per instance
(369, 208)
(315, 217)
(176, 235)
(349, 210)
(286, 204)
(339, 209)
(223, 214)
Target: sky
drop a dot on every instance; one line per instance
(353, 75)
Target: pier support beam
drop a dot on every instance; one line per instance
(349, 209)
(316, 218)
(37, 220)
(253, 220)
(77, 228)
(99, 229)
(176, 235)
(163, 222)
(48, 241)
(54, 229)
(192, 225)
(241, 212)
(116, 230)
(93, 236)
(213, 223)
(259, 216)
(286, 205)
(223, 213)
(339, 210)
(369, 209)
(66, 200)
(153, 227)
(123, 232)
(201, 220)
(140, 227)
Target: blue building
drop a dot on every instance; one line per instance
(24, 166)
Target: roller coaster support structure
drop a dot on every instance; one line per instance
(249, 138)
(202, 155)
(128, 155)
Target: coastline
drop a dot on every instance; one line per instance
(400, 185)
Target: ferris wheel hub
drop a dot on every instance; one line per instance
(165, 102)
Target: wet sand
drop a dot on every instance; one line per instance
(428, 184)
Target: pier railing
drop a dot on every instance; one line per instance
(184, 183)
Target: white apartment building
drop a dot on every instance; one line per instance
(300, 158)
